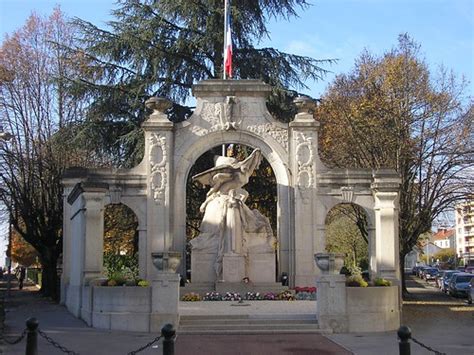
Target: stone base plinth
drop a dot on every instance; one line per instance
(202, 265)
(262, 267)
(233, 268)
(331, 309)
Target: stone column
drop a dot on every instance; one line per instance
(331, 308)
(385, 191)
(158, 157)
(165, 290)
(303, 160)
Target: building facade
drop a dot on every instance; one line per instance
(444, 238)
(464, 214)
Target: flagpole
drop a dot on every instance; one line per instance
(225, 38)
(224, 74)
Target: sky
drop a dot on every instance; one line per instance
(328, 29)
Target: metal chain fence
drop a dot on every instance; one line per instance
(168, 333)
(16, 341)
(427, 347)
(56, 344)
(145, 346)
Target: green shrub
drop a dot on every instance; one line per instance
(382, 282)
(356, 281)
(126, 265)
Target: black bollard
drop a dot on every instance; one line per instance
(404, 335)
(168, 333)
(32, 336)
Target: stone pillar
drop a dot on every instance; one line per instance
(65, 276)
(331, 308)
(165, 290)
(142, 254)
(94, 233)
(303, 160)
(86, 239)
(385, 191)
(158, 157)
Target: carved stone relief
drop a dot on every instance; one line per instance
(305, 165)
(347, 193)
(270, 130)
(158, 161)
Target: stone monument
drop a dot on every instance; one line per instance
(235, 243)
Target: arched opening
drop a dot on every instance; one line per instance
(261, 188)
(120, 243)
(347, 232)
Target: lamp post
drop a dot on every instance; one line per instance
(5, 136)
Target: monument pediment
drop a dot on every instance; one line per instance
(225, 106)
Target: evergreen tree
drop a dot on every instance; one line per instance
(163, 47)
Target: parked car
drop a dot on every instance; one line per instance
(442, 275)
(447, 278)
(459, 284)
(430, 273)
(469, 269)
(415, 269)
(470, 293)
(421, 271)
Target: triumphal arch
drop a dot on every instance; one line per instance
(227, 111)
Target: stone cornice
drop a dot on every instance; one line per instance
(215, 87)
(99, 187)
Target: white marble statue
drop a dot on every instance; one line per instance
(229, 226)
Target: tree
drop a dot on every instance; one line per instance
(161, 48)
(120, 230)
(392, 112)
(445, 255)
(36, 108)
(344, 236)
(21, 251)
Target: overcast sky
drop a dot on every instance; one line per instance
(337, 29)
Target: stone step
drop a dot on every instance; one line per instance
(248, 324)
(270, 317)
(246, 321)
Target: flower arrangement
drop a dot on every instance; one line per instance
(231, 296)
(305, 289)
(305, 293)
(191, 297)
(253, 296)
(212, 296)
(382, 282)
(305, 296)
(269, 296)
(286, 296)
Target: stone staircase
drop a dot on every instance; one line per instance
(248, 324)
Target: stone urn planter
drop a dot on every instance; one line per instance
(166, 261)
(329, 263)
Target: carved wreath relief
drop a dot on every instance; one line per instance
(158, 161)
(305, 165)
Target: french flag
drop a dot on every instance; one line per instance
(227, 42)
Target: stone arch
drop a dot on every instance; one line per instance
(353, 214)
(273, 155)
(127, 219)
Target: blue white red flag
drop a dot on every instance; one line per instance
(227, 42)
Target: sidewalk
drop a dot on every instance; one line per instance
(75, 335)
(444, 323)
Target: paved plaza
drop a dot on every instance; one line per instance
(437, 320)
